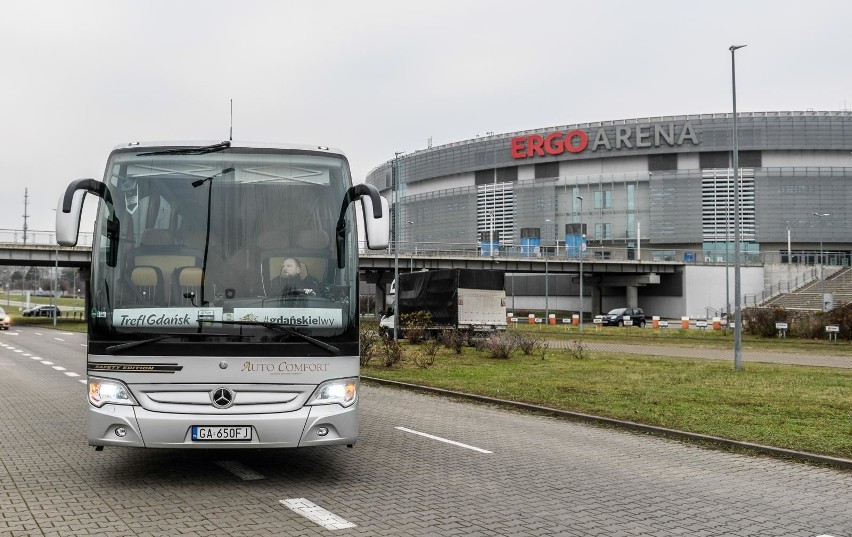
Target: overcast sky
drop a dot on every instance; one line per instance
(375, 77)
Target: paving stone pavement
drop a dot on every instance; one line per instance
(543, 477)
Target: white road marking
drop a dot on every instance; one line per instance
(240, 470)
(27, 354)
(82, 344)
(71, 374)
(58, 339)
(439, 439)
(59, 368)
(317, 514)
(18, 350)
(45, 362)
(82, 380)
(35, 357)
(39, 334)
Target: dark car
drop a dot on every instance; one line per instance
(616, 317)
(41, 311)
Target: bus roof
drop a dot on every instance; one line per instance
(234, 143)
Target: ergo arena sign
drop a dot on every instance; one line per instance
(623, 137)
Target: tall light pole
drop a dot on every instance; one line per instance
(582, 237)
(821, 274)
(55, 300)
(727, 246)
(738, 314)
(55, 283)
(491, 238)
(395, 186)
(546, 283)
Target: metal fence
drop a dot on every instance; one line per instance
(39, 238)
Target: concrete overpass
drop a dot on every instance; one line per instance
(377, 267)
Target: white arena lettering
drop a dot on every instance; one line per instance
(625, 137)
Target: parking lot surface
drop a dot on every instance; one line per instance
(424, 465)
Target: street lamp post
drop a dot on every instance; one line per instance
(727, 247)
(582, 236)
(395, 186)
(738, 315)
(546, 283)
(55, 284)
(821, 273)
(491, 237)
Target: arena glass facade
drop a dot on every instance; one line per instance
(657, 188)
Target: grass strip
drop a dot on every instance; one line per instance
(792, 407)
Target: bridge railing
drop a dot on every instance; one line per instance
(593, 252)
(39, 238)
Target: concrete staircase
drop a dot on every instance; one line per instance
(808, 297)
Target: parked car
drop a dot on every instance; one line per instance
(41, 311)
(5, 320)
(616, 317)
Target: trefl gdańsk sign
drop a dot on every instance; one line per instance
(621, 137)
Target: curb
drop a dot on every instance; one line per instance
(628, 425)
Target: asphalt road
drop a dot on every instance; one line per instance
(480, 471)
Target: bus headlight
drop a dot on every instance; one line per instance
(341, 392)
(103, 391)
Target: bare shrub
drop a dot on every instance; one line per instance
(498, 345)
(761, 321)
(427, 358)
(391, 353)
(431, 347)
(577, 350)
(369, 341)
(415, 324)
(529, 343)
(452, 339)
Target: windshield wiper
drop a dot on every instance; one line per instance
(131, 344)
(287, 330)
(201, 150)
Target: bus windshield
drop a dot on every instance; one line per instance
(231, 242)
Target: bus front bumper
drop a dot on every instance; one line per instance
(133, 426)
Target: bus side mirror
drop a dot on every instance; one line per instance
(70, 208)
(68, 224)
(377, 230)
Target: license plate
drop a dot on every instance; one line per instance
(220, 433)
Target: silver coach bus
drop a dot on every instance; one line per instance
(198, 338)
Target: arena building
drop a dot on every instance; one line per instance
(649, 189)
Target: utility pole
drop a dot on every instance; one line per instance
(25, 216)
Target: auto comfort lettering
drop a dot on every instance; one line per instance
(284, 367)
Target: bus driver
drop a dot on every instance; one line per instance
(291, 281)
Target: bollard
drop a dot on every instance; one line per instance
(717, 323)
(655, 321)
(684, 323)
(551, 319)
(575, 320)
(532, 318)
